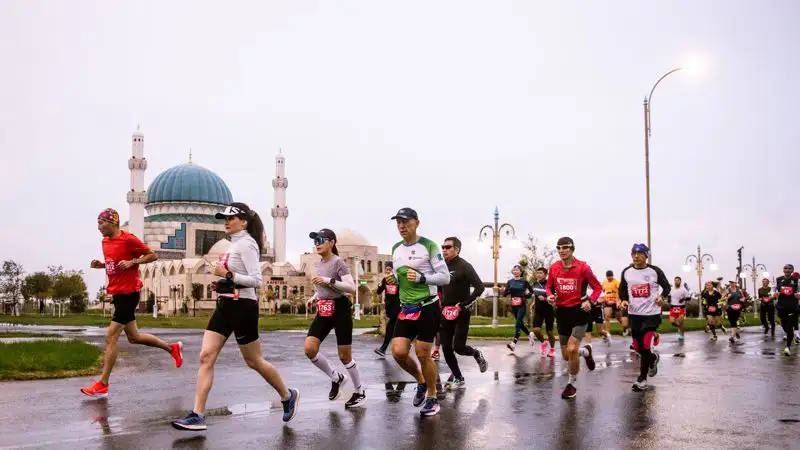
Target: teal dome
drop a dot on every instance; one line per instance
(189, 183)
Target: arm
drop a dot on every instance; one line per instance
(440, 275)
(528, 290)
(143, 253)
(663, 282)
(476, 283)
(250, 259)
(597, 288)
(548, 287)
(623, 287)
(346, 285)
(381, 287)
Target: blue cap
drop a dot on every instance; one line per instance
(640, 248)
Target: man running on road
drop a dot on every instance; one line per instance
(123, 252)
(678, 297)
(419, 268)
(543, 313)
(786, 291)
(613, 308)
(391, 301)
(639, 286)
(767, 310)
(567, 282)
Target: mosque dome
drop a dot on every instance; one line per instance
(189, 183)
(347, 236)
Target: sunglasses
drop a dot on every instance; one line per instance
(319, 240)
(447, 247)
(564, 247)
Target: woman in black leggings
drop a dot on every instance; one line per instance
(520, 291)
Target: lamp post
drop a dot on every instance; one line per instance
(495, 231)
(647, 101)
(699, 259)
(753, 270)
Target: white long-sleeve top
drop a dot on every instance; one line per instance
(242, 259)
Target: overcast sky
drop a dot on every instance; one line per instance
(450, 107)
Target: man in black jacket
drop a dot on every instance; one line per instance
(456, 301)
(391, 300)
(786, 294)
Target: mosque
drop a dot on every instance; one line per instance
(180, 227)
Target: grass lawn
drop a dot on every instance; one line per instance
(48, 359)
(24, 334)
(616, 329)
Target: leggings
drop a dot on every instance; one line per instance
(453, 337)
(789, 325)
(767, 314)
(519, 313)
(387, 337)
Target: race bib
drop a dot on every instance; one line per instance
(391, 289)
(111, 267)
(223, 260)
(325, 308)
(712, 309)
(766, 300)
(450, 312)
(516, 301)
(567, 285)
(675, 311)
(787, 290)
(640, 291)
(736, 306)
(410, 312)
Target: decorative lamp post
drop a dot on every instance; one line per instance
(753, 269)
(508, 230)
(699, 259)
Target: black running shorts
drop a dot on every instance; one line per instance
(424, 329)
(571, 321)
(543, 313)
(239, 317)
(341, 322)
(124, 307)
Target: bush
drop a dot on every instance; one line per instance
(285, 309)
(78, 303)
(301, 309)
(151, 303)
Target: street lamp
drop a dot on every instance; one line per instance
(647, 101)
(753, 269)
(495, 231)
(699, 259)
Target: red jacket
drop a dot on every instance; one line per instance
(570, 285)
(124, 247)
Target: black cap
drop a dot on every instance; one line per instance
(405, 213)
(788, 266)
(388, 264)
(234, 209)
(326, 233)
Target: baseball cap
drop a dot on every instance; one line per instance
(233, 210)
(788, 266)
(323, 233)
(405, 213)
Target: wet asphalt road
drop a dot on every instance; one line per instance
(715, 395)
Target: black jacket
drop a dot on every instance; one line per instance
(392, 301)
(462, 277)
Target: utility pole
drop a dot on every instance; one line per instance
(739, 268)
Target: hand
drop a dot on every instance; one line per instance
(659, 300)
(96, 264)
(551, 299)
(125, 265)
(318, 280)
(586, 305)
(624, 305)
(411, 276)
(541, 297)
(220, 271)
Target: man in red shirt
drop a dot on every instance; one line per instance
(567, 282)
(123, 252)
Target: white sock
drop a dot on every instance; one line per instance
(584, 352)
(322, 364)
(572, 379)
(353, 371)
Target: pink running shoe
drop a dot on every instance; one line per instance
(543, 348)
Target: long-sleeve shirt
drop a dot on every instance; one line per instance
(765, 294)
(787, 288)
(242, 261)
(462, 278)
(426, 259)
(570, 285)
(518, 288)
(391, 295)
(639, 287)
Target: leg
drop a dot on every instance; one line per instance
(423, 350)
(446, 335)
(538, 320)
(252, 355)
(710, 321)
(521, 320)
(461, 330)
(209, 351)
(387, 339)
(549, 322)
(679, 323)
(317, 332)
(110, 357)
(573, 356)
(517, 323)
(771, 317)
(400, 352)
(135, 337)
(762, 315)
(608, 314)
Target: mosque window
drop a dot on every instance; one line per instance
(380, 266)
(369, 266)
(205, 239)
(302, 291)
(208, 291)
(283, 291)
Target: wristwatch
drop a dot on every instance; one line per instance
(229, 275)
(135, 261)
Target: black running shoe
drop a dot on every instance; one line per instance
(654, 366)
(482, 364)
(335, 386)
(356, 400)
(589, 358)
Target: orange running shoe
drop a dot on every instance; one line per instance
(97, 390)
(176, 353)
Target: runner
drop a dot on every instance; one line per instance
(456, 301)
(734, 310)
(332, 283)
(711, 298)
(237, 313)
(613, 308)
(786, 291)
(596, 318)
(678, 296)
(639, 286)
(767, 311)
(567, 282)
(391, 301)
(543, 313)
(520, 291)
(122, 254)
(419, 268)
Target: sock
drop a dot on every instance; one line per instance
(353, 371)
(202, 416)
(288, 396)
(583, 352)
(572, 379)
(322, 364)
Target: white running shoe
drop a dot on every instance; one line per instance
(532, 339)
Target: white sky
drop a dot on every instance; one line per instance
(450, 107)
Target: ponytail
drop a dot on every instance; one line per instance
(254, 224)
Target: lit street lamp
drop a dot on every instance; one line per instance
(753, 270)
(699, 259)
(495, 231)
(647, 101)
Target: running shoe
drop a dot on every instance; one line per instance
(552, 353)
(449, 382)
(786, 351)
(724, 330)
(639, 386)
(97, 390)
(607, 339)
(766, 331)
(713, 338)
(482, 364)
(335, 386)
(511, 346)
(419, 396)
(657, 339)
(680, 338)
(380, 352)
(654, 366)
(290, 406)
(431, 407)
(569, 391)
(588, 357)
(192, 422)
(458, 383)
(532, 338)
(177, 353)
(543, 348)
(435, 354)
(731, 340)
(356, 400)
(626, 332)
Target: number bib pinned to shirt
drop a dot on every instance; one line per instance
(787, 290)
(410, 312)
(516, 301)
(712, 309)
(325, 308)
(451, 312)
(640, 291)
(566, 285)
(391, 289)
(736, 306)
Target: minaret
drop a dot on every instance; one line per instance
(280, 211)
(136, 196)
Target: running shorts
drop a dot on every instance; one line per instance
(125, 307)
(341, 322)
(424, 329)
(239, 317)
(595, 316)
(543, 313)
(643, 324)
(571, 321)
(676, 311)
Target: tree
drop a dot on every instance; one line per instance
(151, 303)
(69, 285)
(533, 256)
(197, 294)
(11, 279)
(101, 297)
(39, 285)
